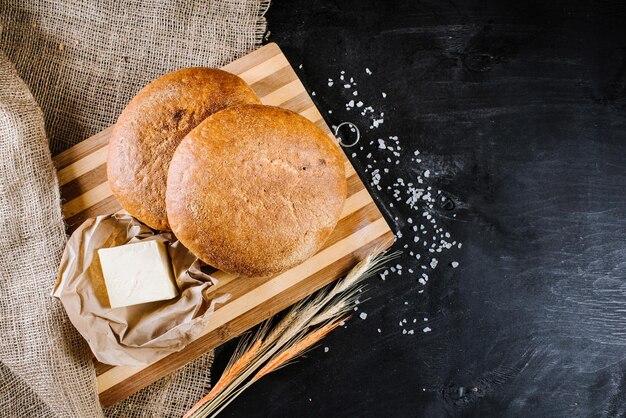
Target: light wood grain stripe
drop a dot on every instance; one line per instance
(314, 115)
(355, 202)
(82, 149)
(266, 291)
(282, 94)
(86, 200)
(82, 166)
(274, 82)
(106, 206)
(349, 169)
(265, 69)
(253, 59)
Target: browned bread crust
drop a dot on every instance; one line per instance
(151, 127)
(255, 190)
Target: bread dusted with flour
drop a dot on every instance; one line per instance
(151, 127)
(255, 190)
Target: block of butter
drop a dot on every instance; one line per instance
(137, 273)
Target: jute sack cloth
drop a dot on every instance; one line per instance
(80, 62)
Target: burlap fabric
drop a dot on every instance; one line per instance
(82, 61)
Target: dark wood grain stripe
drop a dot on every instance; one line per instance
(101, 367)
(354, 184)
(298, 103)
(85, 182)
(108, 205)
(274, 81)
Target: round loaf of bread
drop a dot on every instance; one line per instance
(151, 127)
(255, 190)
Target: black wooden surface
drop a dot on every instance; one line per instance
(519, 109)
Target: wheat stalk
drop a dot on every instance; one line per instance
(230, 374)
(298, 348)
(305, 324)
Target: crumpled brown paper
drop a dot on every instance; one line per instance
(139, 334)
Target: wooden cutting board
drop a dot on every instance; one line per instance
(85, 194)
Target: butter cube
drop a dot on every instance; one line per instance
(137, 273)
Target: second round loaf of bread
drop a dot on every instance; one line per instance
(255, 190)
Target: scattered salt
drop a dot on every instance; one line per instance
(412, 192)
(433, 263)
